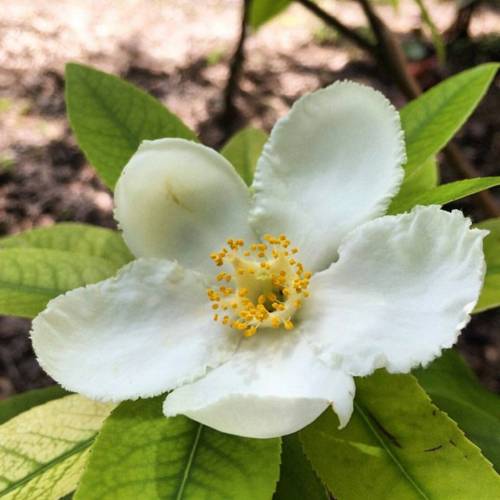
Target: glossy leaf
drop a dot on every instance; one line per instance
(262, 11)
(30, 277)
(298, 481)
(431, 120)
(142, 454)
(76, 238)
(490, 295)
(111, 117)
(43, 450)
(243, 151)
(19, 403)
(454, 389)
(445, 193)
(397, 445)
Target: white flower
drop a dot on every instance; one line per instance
(247, 341)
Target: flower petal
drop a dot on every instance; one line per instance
(180, 200)
(331, 164)
(401, 291)
(139, 334)
(272, 386)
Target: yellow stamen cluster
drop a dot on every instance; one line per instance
(265, 289)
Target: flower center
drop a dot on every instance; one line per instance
(265, 288)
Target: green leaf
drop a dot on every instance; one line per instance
(432, 119)
(445, 193)
(490, 294)
(243, 151)
(397, 445)
(15, 405)
(262, 11)
(416, 183)
(298, 481)
(40, 264)
(43, 450)
(142, 454)
(437, 39)
(76, 238)
(453, 387)
(111, 117)
(30, 277)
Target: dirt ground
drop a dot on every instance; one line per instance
(179, 52)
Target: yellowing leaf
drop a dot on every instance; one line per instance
(13, 406)
(43, 450)
(141, 454)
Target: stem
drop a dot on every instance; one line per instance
(339, 26)
(229, 113)
(390, 52)
(459, 29)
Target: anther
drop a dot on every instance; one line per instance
(267, 289)
(249, 332)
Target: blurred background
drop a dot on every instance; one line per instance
(195, 57)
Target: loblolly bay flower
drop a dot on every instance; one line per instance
(256, 308)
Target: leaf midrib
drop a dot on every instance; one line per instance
(80, 447)
(189, 465)
(388, 449)
(127, 132)
(32, 289)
